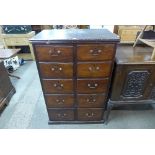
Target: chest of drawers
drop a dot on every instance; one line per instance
(75, 71)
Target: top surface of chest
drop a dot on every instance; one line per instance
(75, 35)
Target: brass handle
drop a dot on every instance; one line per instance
(95, 51)
(62, 115)
(92, 86)
(90, 114)
(60, 101)
(58, 85)
(94, 68)
(56, 68)
(91, 100)
(54, 52)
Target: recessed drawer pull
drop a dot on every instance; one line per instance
(90, 115)
(95, 52)
(54, 52)
(94, 68)
(92, 86)
(62, 115)
(60, 101)
(58, 85)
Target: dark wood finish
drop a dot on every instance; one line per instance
(60, 101)
(54, 53)
(55, 70)
(58, 86)
(94, 52)
(88, 114)
(61, 114)
(90, 101)
(92, 86)
(94, 70)
(6, 88)
(86, 63)
(134, 77)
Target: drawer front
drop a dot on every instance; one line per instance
(88, 114)
(91, 101)
(57, 86)
(16, 41)
(61, 115)
(59, 101)
(92, 86)
(54, 53)
(55, 70)
(95, 52)
(93, 70)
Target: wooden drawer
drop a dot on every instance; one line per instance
(57, 86)
(16, 41)
(93, 69)
(55, 70)
(59, 101)
(95, 52)
(61, 114)
(91, 101)
(54, 53)
(92, 86)
(94, 114)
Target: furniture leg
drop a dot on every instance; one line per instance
(14, 76)
(153, 55)
(109, 108)
(32, 52)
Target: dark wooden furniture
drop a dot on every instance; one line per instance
(133, 78)
(6, 88)
(75, 69)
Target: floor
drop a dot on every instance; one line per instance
(27, 110)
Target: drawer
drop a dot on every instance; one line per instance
(57, 86)
(93, 69)
(88, 114)
(16, 41)
(92, 86)
(61, 114)
(59, 101)
(54, 53)
(55, 70)
(91, 101)
(95, 52)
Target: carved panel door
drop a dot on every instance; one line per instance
(133, 82)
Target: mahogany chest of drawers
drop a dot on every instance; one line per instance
(75, 69)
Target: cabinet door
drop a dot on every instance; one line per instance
(133, 82)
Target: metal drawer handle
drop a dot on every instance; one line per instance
(58, 85)
(92, 86)
(62, 115)
(95, 52)
(90, 115)
(94, 68)
(91, 100)
(54, 52)
(56, 68)
(60, 101)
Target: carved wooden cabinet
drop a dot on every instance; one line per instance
(75, 69)
(133, 78)
(6, 88)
